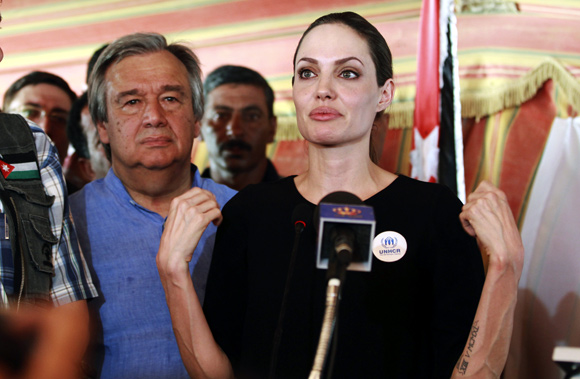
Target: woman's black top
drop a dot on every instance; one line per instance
(405, 319)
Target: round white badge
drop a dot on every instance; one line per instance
(389, 246)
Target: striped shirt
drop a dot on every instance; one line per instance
(72, 280)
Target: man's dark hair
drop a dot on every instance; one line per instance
(230, 74)
(74, 129)
(34, 78)
(93, 60)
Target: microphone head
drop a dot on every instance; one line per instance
(342, 197)
(338, 197)
(344, 224)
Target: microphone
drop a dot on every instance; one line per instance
(345, 231)
(300, 214)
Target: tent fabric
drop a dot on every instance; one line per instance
(494, 50)
(548, 311)
(506, 147)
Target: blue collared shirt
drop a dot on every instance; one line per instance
(121, 239)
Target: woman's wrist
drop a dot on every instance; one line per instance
(173, 270)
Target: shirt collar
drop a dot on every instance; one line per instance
(114, 184)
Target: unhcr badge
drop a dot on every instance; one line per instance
(389, 246)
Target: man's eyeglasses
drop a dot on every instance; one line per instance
(37, 114)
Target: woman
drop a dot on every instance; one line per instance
(408, 318)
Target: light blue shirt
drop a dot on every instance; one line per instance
(120, 239)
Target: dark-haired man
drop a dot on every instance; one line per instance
(88, 162)
(238, 125)
(46, 100)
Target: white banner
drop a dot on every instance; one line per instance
(548, 310)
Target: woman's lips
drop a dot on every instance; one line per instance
(324, 114)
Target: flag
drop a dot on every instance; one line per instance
(6, 168)
(437, 153)
(19, 166)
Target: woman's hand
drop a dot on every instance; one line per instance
(488, 217)
(189, 215)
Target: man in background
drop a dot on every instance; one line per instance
(46, 100)
(93, 60)
(238, 125)
(88, 161)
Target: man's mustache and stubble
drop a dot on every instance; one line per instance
(235, 144)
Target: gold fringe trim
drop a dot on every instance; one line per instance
(476, 104)
(287, 129)
(401, 115)
(492, 100)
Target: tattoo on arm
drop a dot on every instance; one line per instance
(463, 361)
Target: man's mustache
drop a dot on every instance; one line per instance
(235, 143)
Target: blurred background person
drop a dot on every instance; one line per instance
(88, 160)
(93, 60)
(238, 125)
(46, 100)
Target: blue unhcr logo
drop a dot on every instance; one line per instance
(389, 246)
(389, 242)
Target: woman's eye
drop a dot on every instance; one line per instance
(305, 74)
(348, 74)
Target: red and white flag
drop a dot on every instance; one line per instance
(437, 154)
(6, 168)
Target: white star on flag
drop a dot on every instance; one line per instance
(425, 156)
(6, 169)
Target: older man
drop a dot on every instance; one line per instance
(239, 123)
(145, 97)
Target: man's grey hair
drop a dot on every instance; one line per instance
(138, 44)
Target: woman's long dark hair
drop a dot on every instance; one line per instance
(378, 47)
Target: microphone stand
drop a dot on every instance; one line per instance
(298, 228)
(332, 292)
(337, 273)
